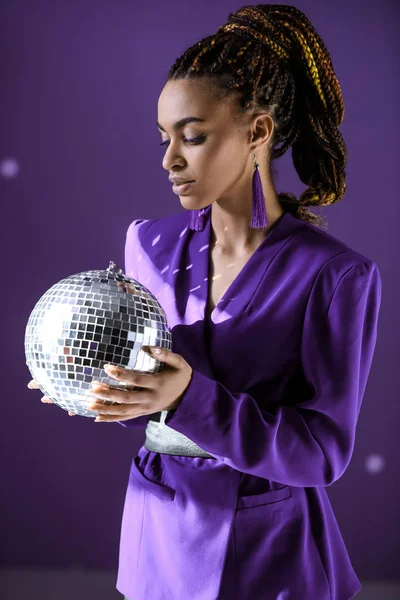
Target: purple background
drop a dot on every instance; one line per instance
(79, 88)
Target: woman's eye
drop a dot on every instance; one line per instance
(196, 140)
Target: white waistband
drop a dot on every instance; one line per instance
(165, 440)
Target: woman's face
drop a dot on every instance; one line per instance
(215, 153)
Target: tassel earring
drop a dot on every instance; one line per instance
(259, 215)
(197, 219)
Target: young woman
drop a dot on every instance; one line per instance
(274, 324)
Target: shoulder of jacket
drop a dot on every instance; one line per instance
(148, 231)
(332, 252)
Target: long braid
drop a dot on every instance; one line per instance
(271, 57)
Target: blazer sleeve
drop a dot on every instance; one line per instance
(131, 270)
(309, 444)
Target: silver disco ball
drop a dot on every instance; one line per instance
(82, 323)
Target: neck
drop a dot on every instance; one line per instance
(231, 232)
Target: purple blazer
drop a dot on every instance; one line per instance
(279, 373)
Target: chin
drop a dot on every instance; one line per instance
(187, 207)
(188, 201)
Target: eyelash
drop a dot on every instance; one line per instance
(193, 141)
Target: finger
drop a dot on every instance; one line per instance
(144, 380)
(128, 405)
(32, 385)
(71, 414)
(114, 401)
(103, 393)
(116, 418)
(46, 400)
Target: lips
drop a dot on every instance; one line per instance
(181, 181)
(181, 189)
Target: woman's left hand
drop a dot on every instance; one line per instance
(162, 391)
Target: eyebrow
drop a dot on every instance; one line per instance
(182, 123)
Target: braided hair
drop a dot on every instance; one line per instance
(270, 57)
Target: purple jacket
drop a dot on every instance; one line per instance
(279, 374)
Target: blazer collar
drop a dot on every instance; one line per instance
(241, 291)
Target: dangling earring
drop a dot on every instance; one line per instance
(197, 219)
(258, 216)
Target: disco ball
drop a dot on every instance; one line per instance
(85, 321)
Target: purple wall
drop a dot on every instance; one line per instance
(79, 88)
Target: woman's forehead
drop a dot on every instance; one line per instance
(193, 104)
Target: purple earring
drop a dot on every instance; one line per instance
(197, 219)
(258, 216)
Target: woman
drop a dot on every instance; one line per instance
(274, 324)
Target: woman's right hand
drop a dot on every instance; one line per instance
(32, 385)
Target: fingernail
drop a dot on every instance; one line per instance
(155, 349)
(96, 383)
(111, 369)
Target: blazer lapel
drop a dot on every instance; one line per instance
(176, 260)
(242, 289)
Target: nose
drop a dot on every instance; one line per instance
(170, 160)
